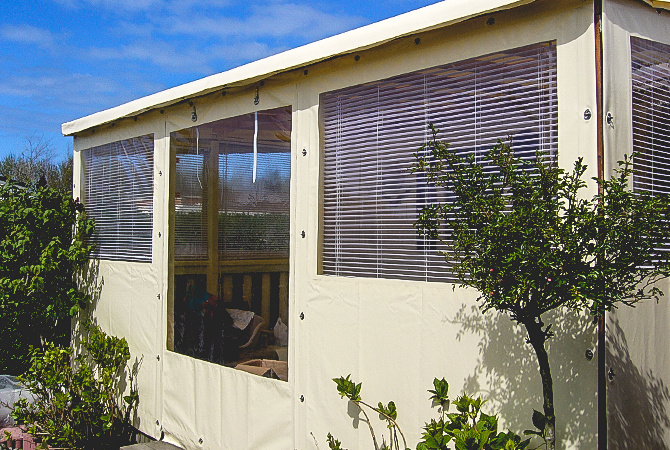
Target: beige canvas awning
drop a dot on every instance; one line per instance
(430, 17)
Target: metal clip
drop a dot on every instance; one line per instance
(610, 374)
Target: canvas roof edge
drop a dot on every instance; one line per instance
(663, 4)
(430, 17)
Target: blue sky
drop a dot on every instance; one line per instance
(64, 59)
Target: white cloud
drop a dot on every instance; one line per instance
(120, 6)
(275, 20)
(153, 6)
(159, 53)
(41, 102)
(65, 88)
(126, 28)
(225, 18)
(242, 52)
(27, 34)
(72, 95)
(205, 36)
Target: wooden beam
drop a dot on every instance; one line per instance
(246, 290)
(211, 176)
(283, 297)
(227, 288)
(265, 299)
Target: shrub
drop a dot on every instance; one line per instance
(78, 402)
(42, 246)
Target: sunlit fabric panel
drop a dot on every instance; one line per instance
(371, 131)
(118, 195)
(650, 63)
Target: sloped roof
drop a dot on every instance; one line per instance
(427, 18)
(430, 17)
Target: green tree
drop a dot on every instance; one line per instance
(43, 242)
(526, 238)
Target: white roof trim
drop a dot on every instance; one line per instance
(433, 16)
(664, 4)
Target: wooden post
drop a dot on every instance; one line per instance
(283, 297)
(246, 289)
(211, 177)
(228, 288)
(265, 300)
(600, 133)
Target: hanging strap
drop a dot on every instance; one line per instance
(255, 143)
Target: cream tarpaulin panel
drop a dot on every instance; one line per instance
(129, 298)
(128, 307)
(395, 336)
(427, 18)
(226, 408)
(638, 399)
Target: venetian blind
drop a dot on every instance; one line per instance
(371, 200)
(118, 195)
(651, 115)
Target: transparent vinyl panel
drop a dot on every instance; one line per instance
(231, 237)
(650, 72)
(118, 195)
(650, 63)
(371, 132)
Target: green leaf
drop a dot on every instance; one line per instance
(539, 420)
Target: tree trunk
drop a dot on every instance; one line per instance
(537, 338)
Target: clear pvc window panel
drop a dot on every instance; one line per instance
(118, 195)
(371, 131)
(231, 236)
(650, 63)
(215, 169)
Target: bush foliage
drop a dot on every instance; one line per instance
(78, 403)
(42, 246)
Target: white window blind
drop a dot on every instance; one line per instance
(651, 115)
(371, 200)
(118, 195)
